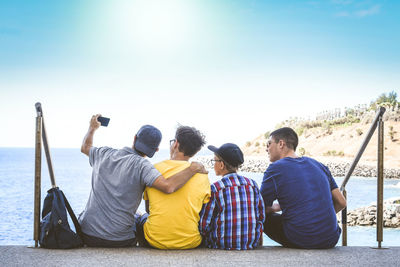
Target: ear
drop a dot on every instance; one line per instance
(157, 149)
(281, 144)
(176, 145)
(222, 165)
(134, 141)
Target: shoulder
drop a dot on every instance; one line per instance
(218, 185)
(247, 181)
(161, 165)
(101, 151)
(317, 163)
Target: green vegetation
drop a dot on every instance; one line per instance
(248, 143)
(334, 153)
(300, 131)
(257, 144)
(389, 100)
(302, 151)
(326, 120)
(359, 131)
(392, 133)
(266, 135)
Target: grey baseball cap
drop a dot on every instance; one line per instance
(148, 139)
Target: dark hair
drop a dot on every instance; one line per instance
(228, 166)
(288, 135)
(190, 140)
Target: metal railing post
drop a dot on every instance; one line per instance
(379, 202)
(377, 122)
(46, 146)
(344, 221)
(38, 171)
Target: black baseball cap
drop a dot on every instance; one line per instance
(148, 139)
(230, 153)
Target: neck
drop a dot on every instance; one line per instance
(226, 172)
(179, 156)
(289, 154)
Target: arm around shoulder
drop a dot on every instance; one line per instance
(339, 202)
(176, 181)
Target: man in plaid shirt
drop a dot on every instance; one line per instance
(233, 218)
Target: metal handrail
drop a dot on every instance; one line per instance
(40, 139)
(378, 122)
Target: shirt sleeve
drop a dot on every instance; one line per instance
(97, 153)
(261, 207)
(206, 216)
(331, 180)
(268, 186)
(148, 173)
(207, 189)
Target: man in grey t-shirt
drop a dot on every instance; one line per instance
(118, 180)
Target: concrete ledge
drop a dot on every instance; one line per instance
(267, 256)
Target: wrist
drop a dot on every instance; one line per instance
(91, 129)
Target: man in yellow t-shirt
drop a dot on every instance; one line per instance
(172, 222)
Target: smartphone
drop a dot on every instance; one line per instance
(103, 121)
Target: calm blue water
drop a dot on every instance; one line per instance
(73, 173)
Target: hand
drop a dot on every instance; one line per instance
(198, 167)
(94, 123)
(274, 208)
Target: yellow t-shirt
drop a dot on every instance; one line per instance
(174, 218)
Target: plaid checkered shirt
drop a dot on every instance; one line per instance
(233, 218)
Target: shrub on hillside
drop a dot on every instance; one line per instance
(302, 151)
(334, 153)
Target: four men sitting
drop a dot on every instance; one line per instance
(185, 212)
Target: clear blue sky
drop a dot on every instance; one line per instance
(233, 69)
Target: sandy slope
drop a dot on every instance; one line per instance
(317, 142)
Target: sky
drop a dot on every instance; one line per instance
(232, 69)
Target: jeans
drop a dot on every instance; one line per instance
(273, 228)
(92, 241)
(140, 231)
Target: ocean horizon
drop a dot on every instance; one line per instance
(73, 176)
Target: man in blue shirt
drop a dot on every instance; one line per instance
(307, 194)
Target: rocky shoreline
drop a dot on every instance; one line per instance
(366, 216)
(338, 169)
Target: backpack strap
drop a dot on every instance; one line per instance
(73, 217)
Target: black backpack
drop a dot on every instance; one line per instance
(55, 231)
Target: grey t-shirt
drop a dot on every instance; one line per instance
(118, 180)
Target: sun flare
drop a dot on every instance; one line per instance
(154, 23)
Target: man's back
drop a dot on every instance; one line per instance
(118, 180)
(173, 219)
(303, 188)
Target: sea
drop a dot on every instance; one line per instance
(73, 175)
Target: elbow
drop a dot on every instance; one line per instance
(343, 204)
(169, 189)
(339, 206)
(85, 150)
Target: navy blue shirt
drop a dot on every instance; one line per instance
(303, 188)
